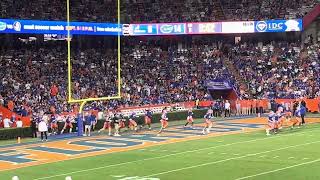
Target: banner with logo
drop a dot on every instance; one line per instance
(278, 25)
(143, 29)
(171, 28)
(57, 27)
(157, 29)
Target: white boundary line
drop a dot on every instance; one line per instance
(281, 169)
(224, 160)
(160, 157)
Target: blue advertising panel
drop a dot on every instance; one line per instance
(171, 28)
(278, 25)
(57, 27)
(143, 29)
(157, 29)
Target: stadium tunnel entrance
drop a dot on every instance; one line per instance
(221, 89)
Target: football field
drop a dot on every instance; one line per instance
(245, 154)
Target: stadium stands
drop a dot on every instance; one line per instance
(279, 70)
(36, 79)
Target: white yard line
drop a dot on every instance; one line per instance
(276, 170)
(229, 159)
(160, 157)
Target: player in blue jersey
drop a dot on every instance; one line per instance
(303, 112)
(87, 124)
(297, 115)
(278, 121)
(271, 123)
(148, 118)
(93, 119)
(189, 119)
(68, 123)
(208, 123)
(132, 122)
(53, 124)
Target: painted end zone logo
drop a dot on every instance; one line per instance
(40, 153)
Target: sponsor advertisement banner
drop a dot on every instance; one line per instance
(204, 28)
(278, 25)
(57, 27)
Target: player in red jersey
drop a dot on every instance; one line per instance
(164, 120)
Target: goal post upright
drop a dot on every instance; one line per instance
(84, 101)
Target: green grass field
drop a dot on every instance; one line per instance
(292, 155)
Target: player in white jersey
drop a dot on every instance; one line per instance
(107, 123)
(164, 120)
(208, 122)
(271, 123)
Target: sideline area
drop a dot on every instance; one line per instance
(34, 153)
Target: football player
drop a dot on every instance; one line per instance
(132, 122)
(189, 119)
(208, 123)
(164, 120)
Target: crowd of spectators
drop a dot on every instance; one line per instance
(156, 11)
(35, 79)
(279, 70)
(266, 9)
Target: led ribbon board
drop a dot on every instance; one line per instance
(112, 29)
